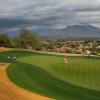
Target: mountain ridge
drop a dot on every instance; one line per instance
(69, 31)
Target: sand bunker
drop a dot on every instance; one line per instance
(9, 91)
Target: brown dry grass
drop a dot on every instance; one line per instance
(9, 91)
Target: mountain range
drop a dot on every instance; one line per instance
(69, 31)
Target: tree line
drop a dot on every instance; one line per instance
(24, 40)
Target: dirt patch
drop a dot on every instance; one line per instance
(5, 49)
(9, 91)
(2, 64)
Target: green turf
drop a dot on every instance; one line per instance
(37, 80)
(17, 53)
(81, 71)
(50, 76)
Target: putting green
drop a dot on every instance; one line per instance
(49, 76)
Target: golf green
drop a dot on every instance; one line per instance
(48, 75)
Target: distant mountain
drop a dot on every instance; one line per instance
(81, 31)
(69, 31)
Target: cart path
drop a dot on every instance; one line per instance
(9, 91)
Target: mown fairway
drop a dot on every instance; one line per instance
(81, 71)
(49, 76)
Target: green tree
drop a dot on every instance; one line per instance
(28, 38)
(5, 41)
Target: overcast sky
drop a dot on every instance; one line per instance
(48, 13)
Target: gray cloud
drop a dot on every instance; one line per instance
(48, 13)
